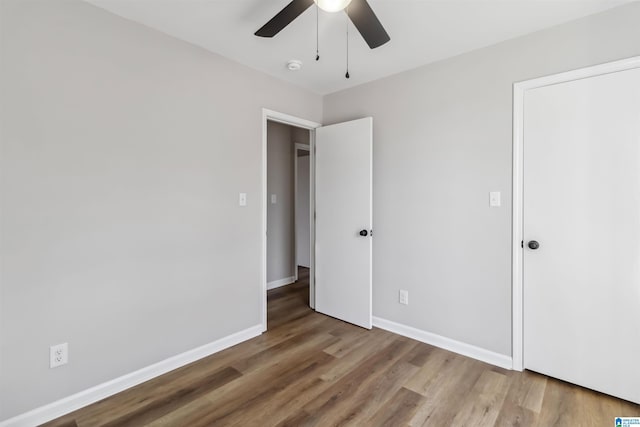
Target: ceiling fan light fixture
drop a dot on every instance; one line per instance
(332, 5)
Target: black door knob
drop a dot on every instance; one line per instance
(364, 233)
(533, 245)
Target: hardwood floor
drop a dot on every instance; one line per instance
(313, 370)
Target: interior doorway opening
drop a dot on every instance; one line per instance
(288, 190)
(287, 204)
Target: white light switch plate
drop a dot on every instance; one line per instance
(494, 199)
(242, 200)
(274, 199)
(403, 297)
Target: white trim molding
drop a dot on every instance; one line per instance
(79, 400)
(281, 282)
(517, 261)
(449, 344)
(287, 119)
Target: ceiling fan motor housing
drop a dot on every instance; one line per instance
(332, 5)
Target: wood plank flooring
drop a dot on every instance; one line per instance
(313, 370)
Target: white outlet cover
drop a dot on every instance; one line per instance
(242, 199)
(58, 355)
(274, 199)
(403, 297)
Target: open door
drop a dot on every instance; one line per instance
(343, 255)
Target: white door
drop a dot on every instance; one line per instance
(343, 212)
(582, 206)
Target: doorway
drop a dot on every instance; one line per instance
(288, 230)
(279, 199)
(340, 258)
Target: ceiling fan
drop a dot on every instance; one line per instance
(359, 11)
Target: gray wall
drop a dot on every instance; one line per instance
(280, 232)
(442, 141)
(123, 153)
(303, 226)
(299, 135)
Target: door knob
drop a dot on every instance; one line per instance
(364, 233)
(533, 244)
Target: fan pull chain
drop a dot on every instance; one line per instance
(317, 36)
(347, 74)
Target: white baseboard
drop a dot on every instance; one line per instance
(464, 349)
(79, 400)
(282, 282)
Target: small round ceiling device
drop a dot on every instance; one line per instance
(294, 65)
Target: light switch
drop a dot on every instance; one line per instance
(403, 297)
(242, 200)
(494, 198)
(274, 199)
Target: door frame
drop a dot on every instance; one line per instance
(300, 147)
(287, 119)
(517, 261)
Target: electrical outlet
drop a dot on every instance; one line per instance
(403, 297)
(58, 355)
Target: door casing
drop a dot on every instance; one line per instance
(517, 262)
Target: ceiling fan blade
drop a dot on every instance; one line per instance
(366, 21)
(284, 18)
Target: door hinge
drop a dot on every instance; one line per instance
(522, 243)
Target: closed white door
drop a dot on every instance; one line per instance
(582, 207)
(344, 221)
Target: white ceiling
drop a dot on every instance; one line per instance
(422, 31)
